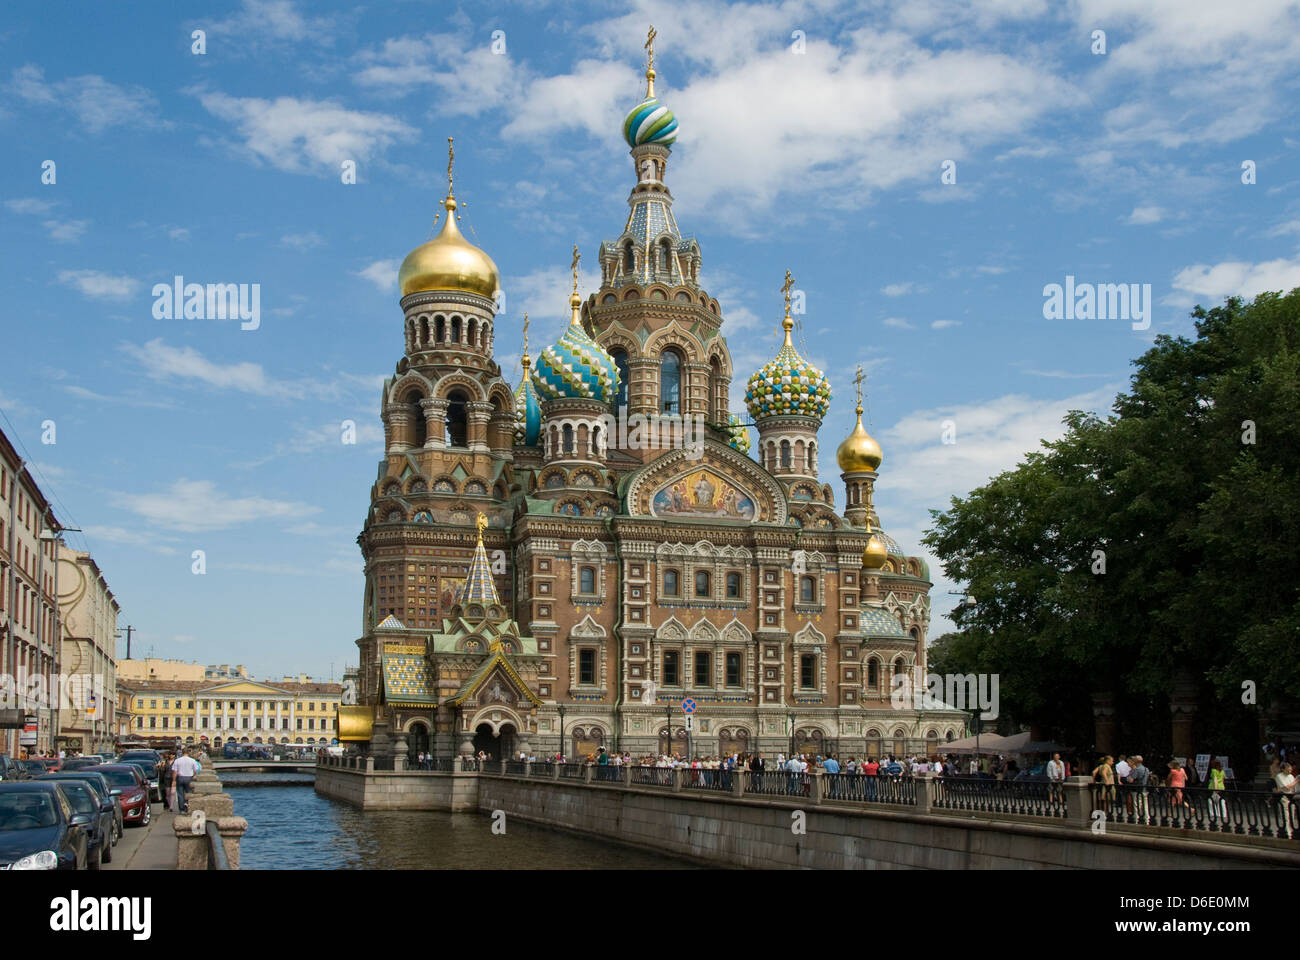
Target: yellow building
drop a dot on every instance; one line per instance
(243, 711)
(156, 669)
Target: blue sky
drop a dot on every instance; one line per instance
(819, 151)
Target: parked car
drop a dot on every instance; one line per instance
(89, 811)
(152, 774)
(103, 788)
(127, 781)
(37, 831)
(11, 769)
(77, 763)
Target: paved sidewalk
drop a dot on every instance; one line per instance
(147, 848)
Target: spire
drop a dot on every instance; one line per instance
(857, 383)
(650, 63)
(449, 201)
(479, 586)
(526, 360)
(575, 301)
(787, 324)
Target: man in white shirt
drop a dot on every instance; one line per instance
(1123, 770)
(184, 769)
(1056, 778)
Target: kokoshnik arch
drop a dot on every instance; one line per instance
(519, 560)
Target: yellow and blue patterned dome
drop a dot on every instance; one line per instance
(788, 385)
(576, 366)
(650, 122)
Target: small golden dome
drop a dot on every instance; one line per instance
(859, 451)
(874, 557)
(449, 262)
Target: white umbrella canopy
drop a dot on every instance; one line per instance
(987, 743)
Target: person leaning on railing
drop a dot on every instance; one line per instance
(1284, 786)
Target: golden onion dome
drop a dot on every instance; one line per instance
(874, 557)
(449, 262)
(859, 451)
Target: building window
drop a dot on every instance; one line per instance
(670, 382)
(670, 583)
(733, 586)
(670, 668)
(807, 590)
(702, 583)
(807, 671)
(587, 667)
(153, 704)
(166, 704)
(587, 580)
(568, 438)
(733, 669)
(703, 669)
(620, 361)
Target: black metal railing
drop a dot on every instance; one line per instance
(701, 779)
(470, 764)
(542, 768)
(517, 767)
(860, 788)
(606, 773)
(1245, 813)
(779, 783)
(651, 776)
(1029, 798)
(216, 849)
(571, 771)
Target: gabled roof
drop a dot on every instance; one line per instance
(479, 677)
(390, 622)
(875, 622)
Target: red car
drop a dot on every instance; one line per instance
(127, 781)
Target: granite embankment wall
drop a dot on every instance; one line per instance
(399, 790)
(756, 833)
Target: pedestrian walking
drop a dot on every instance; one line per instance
(184, 770)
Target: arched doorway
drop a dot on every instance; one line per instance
(678, 745)
(497, 746)
(417, 741)
(811, 742)
(587, 741)
(733, 740)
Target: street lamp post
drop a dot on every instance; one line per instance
(791, 716)
(561, 710)
(668, 712)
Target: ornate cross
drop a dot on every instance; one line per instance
(451, 155)
(574, 266)
(858, 380)
(481, 523)
(785, 288)
(650, 48)
(526, 335)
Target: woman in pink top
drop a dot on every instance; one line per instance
(1177, 780)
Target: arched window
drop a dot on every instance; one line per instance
(441, 329)
(702, 583)
(898, 666)
(568, 438)
(595, 443)
(457, 419)
(670, 583)
(670, 382)
(620, 361)
(587, 580)
(665, 257)
(807, 590)
(629, 260)
(733, 586)
(716, 412)
(471, 333)
(812, 457)
(785, 453)
(419, 428)
(873, 674)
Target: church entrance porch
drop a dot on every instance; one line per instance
(499, 746)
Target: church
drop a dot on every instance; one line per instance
(542, 575)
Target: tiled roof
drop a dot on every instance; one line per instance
(406, 679)
(875, 622)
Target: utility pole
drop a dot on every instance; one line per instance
(129, 630)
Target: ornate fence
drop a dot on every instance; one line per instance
(1031, 798)
(1245, 813)
(858, 788)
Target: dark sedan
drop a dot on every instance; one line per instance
(37, 831)
(78, 763)
(102, 787)
(127, 781)
(89, 811)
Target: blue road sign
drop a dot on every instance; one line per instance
(688, 705)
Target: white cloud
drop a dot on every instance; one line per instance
(262, 23)
(382, 273)
(305, 136)
(898, 289)
(1282, 229)
(196, 506)
(469, 77)
(302, 242)
(1235, 278)
(98, 285)
(28, 205)
(179, 233)
(544, 294)
(1144, 215)
(944, 324)
(898, 322)
(96, 103)
(149, 540)
(66, 231)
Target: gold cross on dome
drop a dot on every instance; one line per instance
(526, 334)
(576, 257)
(451, 156)
(481, 523)
(785, 288)
(650, 47)
(858, 380)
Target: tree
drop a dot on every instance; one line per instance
(1158, 545)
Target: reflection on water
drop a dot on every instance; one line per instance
(294, 828)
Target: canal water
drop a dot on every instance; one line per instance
(291, 827)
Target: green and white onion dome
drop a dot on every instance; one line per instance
(650, 122)
(739, 434)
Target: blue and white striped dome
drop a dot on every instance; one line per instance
(650, 122)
